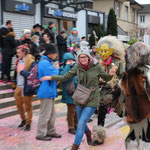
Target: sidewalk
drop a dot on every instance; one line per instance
(12, 138)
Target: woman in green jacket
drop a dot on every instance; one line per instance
(89, 73)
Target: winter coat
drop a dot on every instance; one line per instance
(29, 64)
(26, 41)
(72, 39)
(61, 42)
(47, 89)
(9, 43)
(51, 33)
(66, 98)
(35, 51)
(89, 79)
(42, 46)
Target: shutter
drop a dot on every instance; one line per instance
(20, 22)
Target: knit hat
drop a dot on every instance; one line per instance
(25, 31)
(50, 23)
(74, 29)
(50, 49)
(85, 52)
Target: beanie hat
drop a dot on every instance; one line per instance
(25, 31)
(50, 49)
(74, 29)
(85, 52)
(4, 31)
(50, 23)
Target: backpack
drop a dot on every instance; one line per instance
(32, 79)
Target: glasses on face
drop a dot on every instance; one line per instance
(84, 57)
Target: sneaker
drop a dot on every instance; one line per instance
(22, 124)
(72, 131)
(27, 128)
(46, 138)
(55, 135)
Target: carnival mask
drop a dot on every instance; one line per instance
(104, 51)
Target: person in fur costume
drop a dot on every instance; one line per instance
(111, 51)
(135, 85)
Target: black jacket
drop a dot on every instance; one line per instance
(51, 33)
(61, 42)
(35, 51)
(26, 41)
(9, 43)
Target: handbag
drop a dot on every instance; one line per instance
(82, 94)
(70, 88)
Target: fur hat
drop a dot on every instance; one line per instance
(114, 43)
(136, 55)
(50, 49)
(25, 31)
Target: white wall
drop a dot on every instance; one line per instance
(81, 23)
(147, 20)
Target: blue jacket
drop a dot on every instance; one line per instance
(66, 98)
(47, 89)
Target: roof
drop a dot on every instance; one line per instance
(134, 3)
(146, 9)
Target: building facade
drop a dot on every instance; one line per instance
(144, 24)
(127, 17)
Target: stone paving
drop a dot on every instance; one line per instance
(12, 138)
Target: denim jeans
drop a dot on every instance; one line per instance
(83, 115)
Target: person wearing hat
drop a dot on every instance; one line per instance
(26, 39)
(62, 45)
(89, 73)
(37, 31)
(47, 92)
(49, 31)
(73, 39)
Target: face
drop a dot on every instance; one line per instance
(27, 35)
(52, 26)
(70, 61)
(45, 37)
(75, 32)
(20, 54)
(10, 25)
(84, 59)
(37, 40)
(76, 49)
(53, 56)
(104, 51)
(37, 29)
(63, 35)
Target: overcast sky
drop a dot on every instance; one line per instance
(143, 1)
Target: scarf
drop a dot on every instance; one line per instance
(108, 61)
(85, 67)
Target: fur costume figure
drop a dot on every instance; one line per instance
(136, 88)
(111, 51)
(99, 135)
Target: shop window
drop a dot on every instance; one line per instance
(67, 25)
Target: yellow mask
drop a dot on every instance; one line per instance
(105, 51)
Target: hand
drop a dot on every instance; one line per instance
(20, 67)
(56, 66)
(112, 71)
(46, 78)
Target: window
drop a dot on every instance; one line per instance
(126, 13)
(133, 15)
(142, 18)
(118, 9)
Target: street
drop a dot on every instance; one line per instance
(12, 138)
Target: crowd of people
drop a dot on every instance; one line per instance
(91, 76)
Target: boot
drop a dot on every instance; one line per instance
(75, 147)
(88, 136)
